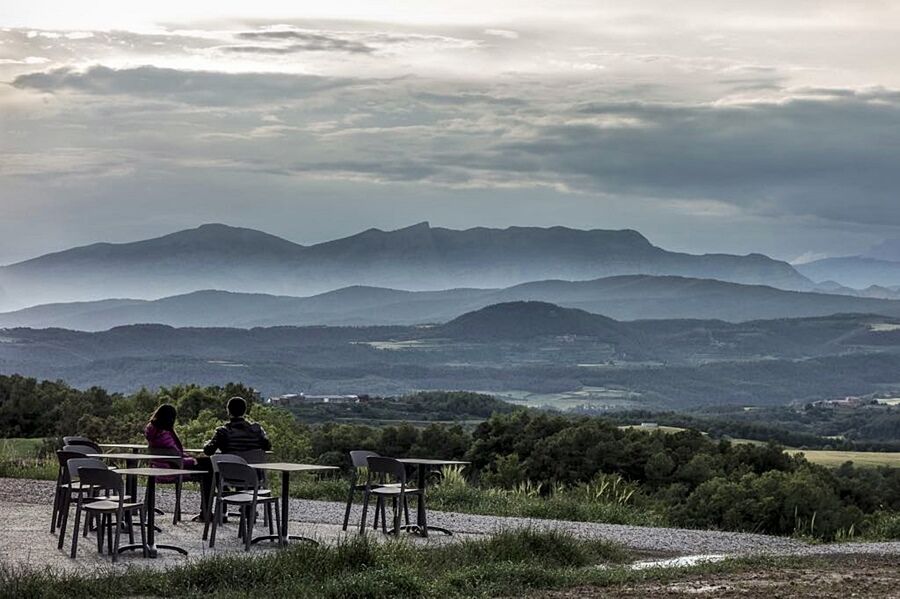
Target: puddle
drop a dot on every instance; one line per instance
(678, 562)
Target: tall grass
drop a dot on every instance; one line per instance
(509, 563)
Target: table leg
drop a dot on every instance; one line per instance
(152, 547)
(285, 504)
(421, 526)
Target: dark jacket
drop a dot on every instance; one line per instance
(238, 435)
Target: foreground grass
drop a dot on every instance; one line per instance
(509, 563)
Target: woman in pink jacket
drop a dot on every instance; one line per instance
(160, 434)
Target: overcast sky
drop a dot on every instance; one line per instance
(707, 125)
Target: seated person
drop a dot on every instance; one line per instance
(238, 434)
(160, 434)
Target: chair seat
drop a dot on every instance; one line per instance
(392, 490)
(105, 505)
(246, 498)
(261, 493)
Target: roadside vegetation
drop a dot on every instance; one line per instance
(523, 463)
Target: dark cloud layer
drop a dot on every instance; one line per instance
(192, 87)
(299, 41)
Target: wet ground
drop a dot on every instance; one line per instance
(832, 577)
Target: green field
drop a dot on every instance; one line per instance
(590, 397)
(19, 448)
(859, 458)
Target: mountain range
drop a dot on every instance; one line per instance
(417, 258)
(628, 297)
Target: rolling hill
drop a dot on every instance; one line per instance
(853, 271)
(529, 346)
(624, 298)
(418, 258)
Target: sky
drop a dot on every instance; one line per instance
(708, 125)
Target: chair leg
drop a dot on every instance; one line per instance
(100, 530)
(383, 517)
(349, 504)
(143, 531)
(269, 517)
(249, 520)
(64, 508)
(406, 508)
(176, 513)
(56, 508)
(129, 521)
(115, 548)
(397, 510)
(365, 509)
(109, 532)
(76, 531)
(215, 522)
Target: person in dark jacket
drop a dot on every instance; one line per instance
(238, 434)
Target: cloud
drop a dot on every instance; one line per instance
(206, 88)
(299, 41)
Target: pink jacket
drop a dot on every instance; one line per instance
(158, 438)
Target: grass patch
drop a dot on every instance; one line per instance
(358, 567)
(509, 564)
(26, 458)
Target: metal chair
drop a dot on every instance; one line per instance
(64, 485)
(74, 488)
(233, 471)
(75, 440)
(82, 449)
(359, 459)
(381, 471)
(101, 479)
(257, 456)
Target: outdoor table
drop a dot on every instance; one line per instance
(151, 474)
(421, 527)
(286, 468)
(131, 460)
(123, 445)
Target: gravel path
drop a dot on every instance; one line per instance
(678, 541)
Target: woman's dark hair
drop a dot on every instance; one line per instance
(164, 417)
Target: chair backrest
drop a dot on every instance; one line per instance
(101, 479)
(79, 461)
(238, 475)
(65, 476)
(380, 467)
(360, 458)
(75, 440)
(223, 458)
(82, 449)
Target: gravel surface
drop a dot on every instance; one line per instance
(324, 519)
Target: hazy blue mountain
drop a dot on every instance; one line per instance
(853, 271)
(418, 258)
(628, 297)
